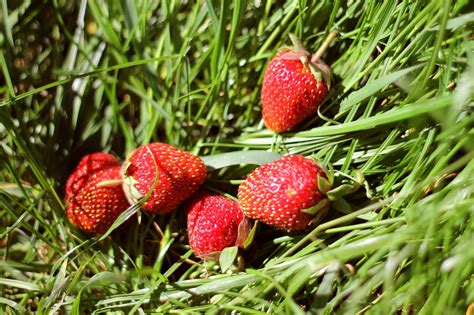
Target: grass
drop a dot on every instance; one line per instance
(85, 76)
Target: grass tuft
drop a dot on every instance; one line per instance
(98, 75)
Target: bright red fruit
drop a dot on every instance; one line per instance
(213, 221)
(87, 166)
(293, 88)
(178, 175)
(97, 200)
(277, 193)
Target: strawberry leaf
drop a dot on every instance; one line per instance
(328, 171)
(323, 184)
(243, 231)
(296, 42)
(131, 192)
(246, 233)
(347, 189)
(227, 257)
(251, 236)
(294, 54)
(323, 204)
(330, 174)
(320, 75)
(340, 191)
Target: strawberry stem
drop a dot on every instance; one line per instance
(323, 47)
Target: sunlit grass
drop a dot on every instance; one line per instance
(85, 76)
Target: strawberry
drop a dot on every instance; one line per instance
(284, 193)
(88, 165)
(293, 88)
(178, 175)
(97, 200)
(213, 221)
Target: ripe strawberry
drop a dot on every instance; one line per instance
(97, 200)
(282, 193)
(88, 165)
(178, 173)
(213, 221)
(293, 88)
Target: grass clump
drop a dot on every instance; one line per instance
(85, 76)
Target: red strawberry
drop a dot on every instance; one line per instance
(293, 88)
(88, 165)
(213, 221)
(282, 193)
(97, 201)
(179, 174)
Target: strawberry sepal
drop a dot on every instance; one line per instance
(323, 184)
(347, 189)
(246, 233)
(320, 206)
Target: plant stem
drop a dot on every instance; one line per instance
(323, 47)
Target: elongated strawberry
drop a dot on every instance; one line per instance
(284, 193)
(97, 200)
(178, 175)
(294, 86)
(213, 221)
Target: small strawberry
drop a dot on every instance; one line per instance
(97, 200)
(285, 193)
(178, 175)
(294, 86)
(213, 222)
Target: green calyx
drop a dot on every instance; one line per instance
(334, 196)
(246, 233)
(320, 75)
(324, 185)
(318, 68)
(320, 206)
(131, 192)
(347, 189)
